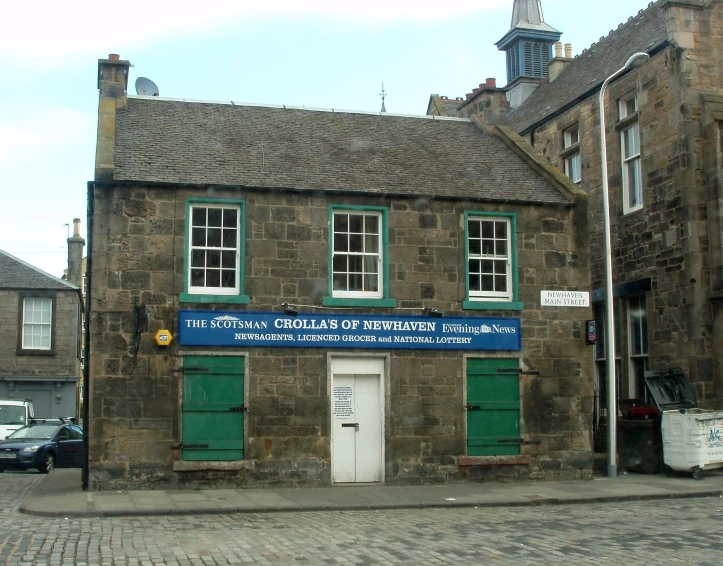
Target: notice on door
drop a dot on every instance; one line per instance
(343, 401)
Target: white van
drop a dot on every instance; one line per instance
(13, 415)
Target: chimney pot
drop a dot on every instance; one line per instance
(76, 227)
(114, 57)
(558, 49)
(568, 50)
(469, 95)
(491, 83)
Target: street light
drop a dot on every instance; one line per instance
(636, 60)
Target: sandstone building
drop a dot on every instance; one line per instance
(40, 336)
(284, 296)
(663, 140)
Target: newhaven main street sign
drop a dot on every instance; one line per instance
(274, 330)
(564, 299)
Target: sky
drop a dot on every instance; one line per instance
(317, 54)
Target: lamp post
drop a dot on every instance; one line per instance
(636, 60)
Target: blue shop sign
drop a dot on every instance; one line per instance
(278, 330)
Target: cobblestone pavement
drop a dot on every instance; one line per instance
(681, 531)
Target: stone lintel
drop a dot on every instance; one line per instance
(187, 466)
(518, 460)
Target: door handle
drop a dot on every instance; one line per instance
(348, 425)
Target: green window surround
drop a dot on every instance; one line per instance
(358, 257)
(214, 252)
(491, 279)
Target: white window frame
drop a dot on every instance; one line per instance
(236, 250)
(624, 110)
(630, 156)
(569, 139)
(573, 164)
(636, 306)
(474, 256)
(34, 323)
(573, 167)
(369, 259)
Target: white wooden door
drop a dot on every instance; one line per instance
(357, 433)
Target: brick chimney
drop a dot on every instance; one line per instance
(75, 256)
(559, 62)
(487, 102)
(112, 83)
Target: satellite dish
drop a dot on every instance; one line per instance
(146, 87)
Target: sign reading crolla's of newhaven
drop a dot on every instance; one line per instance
(278, 330)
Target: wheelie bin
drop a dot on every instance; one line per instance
(691, 436)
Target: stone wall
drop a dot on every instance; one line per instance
(138, 248)
(668, 240)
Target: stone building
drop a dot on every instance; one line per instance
(284, 296)
(76, 274)
(40, 333)
(663, 140)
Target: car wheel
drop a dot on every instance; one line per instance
(48, 465)
(697, 473)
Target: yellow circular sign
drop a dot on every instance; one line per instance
(163, 338)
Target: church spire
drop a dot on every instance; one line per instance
(529, 11)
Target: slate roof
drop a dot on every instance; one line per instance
(16, 274)
(177, 141)
(585, 74)
(450, 106)
(443, 105)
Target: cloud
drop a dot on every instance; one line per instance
(46, 33)
(32, 131)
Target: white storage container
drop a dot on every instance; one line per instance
(692, 440)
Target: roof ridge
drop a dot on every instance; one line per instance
(40, 271)
(287, 107)
(630, 19)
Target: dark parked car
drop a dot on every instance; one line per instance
(43, 444)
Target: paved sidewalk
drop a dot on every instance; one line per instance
(60, 495)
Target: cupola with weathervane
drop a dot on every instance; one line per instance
(528, 45)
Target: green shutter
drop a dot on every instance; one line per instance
(213, 393)
(493, 385)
